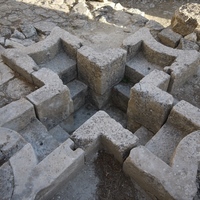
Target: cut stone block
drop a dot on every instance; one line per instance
(36, 181)
(37, 135)
(5, 73)
(169, 37)
(148, 106)
(59, 134)
(101, 129)
(144, 135)
(52, 104)
(78, 91)
(17, 115)
(121, 95)
(44, 27)
(20, 63)
(10, 143)
(101, 71)
(188, 45)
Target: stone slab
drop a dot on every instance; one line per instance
(5, 73)
(17, 115)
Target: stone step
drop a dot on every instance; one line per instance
(64, 66)
(121, 95)
(138, 67)
(144, 135)
(37, 135)
(78, 91)
(59, 134)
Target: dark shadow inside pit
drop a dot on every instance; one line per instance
(198, 183)
(113, 184)
(101, 178)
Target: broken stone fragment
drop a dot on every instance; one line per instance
(186, 18)
(17, 34)
(191, 37)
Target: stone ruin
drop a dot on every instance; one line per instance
(159, 150)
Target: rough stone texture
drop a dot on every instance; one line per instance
(183, 119)
(19, 62)
(34, 180)
(169, 37)
(102, 129)
(78, 91)
(17, 115)
(5, 73)
(28, 30)
(6, 181)
(148, 104)
(52, 104)
(191, 37)
(10, 143)
(186, 18)
(175, 182)
(101, 71)
(188, 45)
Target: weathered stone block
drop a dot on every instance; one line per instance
(148, 106)
(5, 73)
(52, 104)
(101, 71)
(17, 114)
(101, 129)
(47, 176)
(169, 37)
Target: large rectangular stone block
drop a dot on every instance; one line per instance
(101, 71)
(149, 106)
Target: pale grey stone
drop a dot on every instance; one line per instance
(5, 73)
(17, 34)
(44, 27)
(28, 30)
(188, 45)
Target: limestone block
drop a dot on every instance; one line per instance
(161, 180)
(100, 100)
(186, 65)
(169, 37)
(101, 129)
(157, 78)
(52, 104)
(5, 73)
(10, 143)
(121, 95)
(78, 91)
(35, 181)
(28, 30)
(20, 63)
(148, 106)
(6, 181)
(186, 18)
(44, 27)
(101, 71)
(185, 117)
(17, 114)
